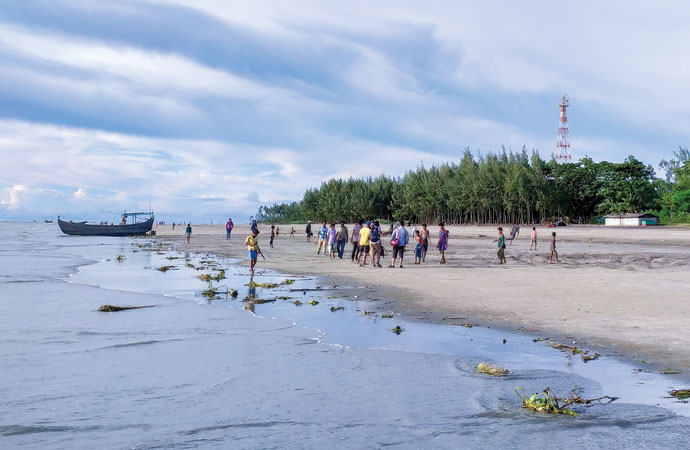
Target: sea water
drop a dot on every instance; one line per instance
(190, 372)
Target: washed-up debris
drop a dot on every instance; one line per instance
(174, 257)
(164, 268)
(681, 394)
(288, 282)
(464, 324)
(369, 313)
(210, 293)
(397, 330)
(298, 303)
(670, 371)
(386, 316)
(571, 348)
(209, 277)
(492, 370)
(254, 284)
(592, 357)
(336, 308)
(113, 308)
(546, 402)
(120, 257)
(314, 302)
(540, 339)
(282, 297)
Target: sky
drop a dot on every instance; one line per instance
(207, 109)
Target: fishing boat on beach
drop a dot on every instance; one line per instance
(103, 229)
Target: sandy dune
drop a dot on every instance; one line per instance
(623, 288)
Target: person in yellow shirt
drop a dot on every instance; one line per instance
(252, 243)
(364, 243)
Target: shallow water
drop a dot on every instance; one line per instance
(193, 373)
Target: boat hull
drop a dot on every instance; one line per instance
(86, 229)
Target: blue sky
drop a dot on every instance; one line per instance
(205, 109)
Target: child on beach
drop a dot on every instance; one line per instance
(292, 231)
(533, 237)
(425, 236)
(553, 248)
(501, 240)
(308, 231)
(418, 247)
(188, 232)
(442, 244)
(332, 235)
(273, 235)
(277, 231)
(252, 243)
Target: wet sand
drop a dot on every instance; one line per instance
(620, 288)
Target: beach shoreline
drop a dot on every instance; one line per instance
(617, 291)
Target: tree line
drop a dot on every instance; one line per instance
(503, 187)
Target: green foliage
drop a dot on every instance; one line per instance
(504, 187)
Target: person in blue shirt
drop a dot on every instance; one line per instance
(323, 239)
(400, 238)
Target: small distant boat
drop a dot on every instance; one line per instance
(48, 221)
(122, 229)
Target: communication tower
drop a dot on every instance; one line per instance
(563, 144)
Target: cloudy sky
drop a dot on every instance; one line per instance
(206, 109)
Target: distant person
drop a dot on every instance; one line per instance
(501, 240)
(553, 248)
(255, 226)
(364, 243)
(332, 238)
(442, 244)
(273, 235)
(399, 240)
(252, 243)
(292, 231)
(341, 240)
(323, 239)
(277, 231)
(228, 228)
(515, 232)
(308, 231)
(425, 235)
(533, 239)
(418, 247)
(188, 232)
(355, 240)
(376, 247)
(124, 220)
(173, 225)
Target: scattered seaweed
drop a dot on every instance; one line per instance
(164, 268)
(386, 316)
(209, 277)
(210, 293)
(297, 303)
(337, 308)
(314, 302)
(254, 284)
(571, 348)
(540, 339)
(463, 324)
(681, 394)
(173, 257)
(288, 282)
(670, 371)
(204, 277)
(494, 371)
(397, 330)
(592, 357)
(546, 402)
(113, 308)
(369, 313)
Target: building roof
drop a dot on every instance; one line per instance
(631, 216)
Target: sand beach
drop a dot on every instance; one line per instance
(624, 289)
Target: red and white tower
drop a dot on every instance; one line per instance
(563, 144)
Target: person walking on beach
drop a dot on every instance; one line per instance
(252, 243)
(188, 232)
(277, 231)
(228, 228)
(292, 231)
(355, 240)
(553, 248)
(173, 226)
(308, 230)
(533, 239)
(418, 247)
(442, 244)
(399, 240)
(375, 245)
(341, 239)
(323, 239)
(425, 236)
(501, 240)
(332, 237)
(273, 235)
(364, 242)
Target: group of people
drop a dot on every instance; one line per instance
(501, 242)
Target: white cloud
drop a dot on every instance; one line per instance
(79, 193)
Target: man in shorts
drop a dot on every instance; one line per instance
(252, 243)
(376, 247)
(364, 243)
(402, 236)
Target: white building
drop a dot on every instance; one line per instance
(630, 220)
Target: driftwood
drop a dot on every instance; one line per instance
(113, 308)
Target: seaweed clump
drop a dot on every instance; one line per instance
(336, 308)
(681, 394)
(254, 284)
(489, 369)
(397, 330)
(164, 268)
(113, 308)
(546, 402)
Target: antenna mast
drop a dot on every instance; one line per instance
(563, 144)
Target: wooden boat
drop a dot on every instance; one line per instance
(95, 229)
